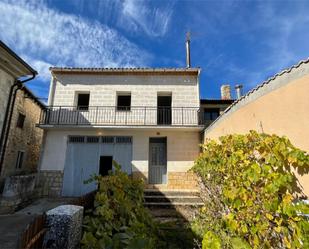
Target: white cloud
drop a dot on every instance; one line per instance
(154, 21)
(49, 37)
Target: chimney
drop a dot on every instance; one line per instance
(238, 90)
(226, 92)
(188, 59)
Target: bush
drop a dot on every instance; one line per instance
(119, 219)
(250, 193)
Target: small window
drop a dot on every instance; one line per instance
(20, 159)
(124, 102)
(83, 101)
(211, 114)
(20, 120)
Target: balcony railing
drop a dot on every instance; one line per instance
(121, 116)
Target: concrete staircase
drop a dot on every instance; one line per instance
(172, 205)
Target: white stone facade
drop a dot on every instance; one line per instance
(182, 141)
(144, 89)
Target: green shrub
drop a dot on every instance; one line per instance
(250, 193)
(119, 219)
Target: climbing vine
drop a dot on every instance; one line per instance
(251, 193)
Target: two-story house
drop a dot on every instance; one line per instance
(146, 119)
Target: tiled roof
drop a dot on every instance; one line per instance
(122, 70)
(260, 86)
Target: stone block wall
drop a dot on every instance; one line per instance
(176, 180)
(27, 139)
(50, 183)
(144, 89)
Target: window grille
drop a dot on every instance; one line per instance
(123, 139)
(76, 139)
(92, 139)
(107, 140)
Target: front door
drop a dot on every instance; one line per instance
(157, 161)
(106, 164)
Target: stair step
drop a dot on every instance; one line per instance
(151, 192)
(157, 198)
(172, 204)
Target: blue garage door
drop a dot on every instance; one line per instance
(83, 160)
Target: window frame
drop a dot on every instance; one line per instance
(211, 111)
(20, 159)
(123, 108)
(20, 120)
(84, 107)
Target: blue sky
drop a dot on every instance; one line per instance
(232, 41)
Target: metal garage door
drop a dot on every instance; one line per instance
(83, 156)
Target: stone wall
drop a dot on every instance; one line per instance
(175, 180)
(50, 183)
(143, 88)
(27, 139)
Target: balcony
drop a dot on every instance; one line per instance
(120, 116)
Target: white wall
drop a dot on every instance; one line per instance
(182, 147)
(143, 88)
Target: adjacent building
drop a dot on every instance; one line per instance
(280, 106)
(147, 119)
(20, 139)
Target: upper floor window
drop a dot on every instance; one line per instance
(211, 113)
(123, 101)
(20, 120)
(83, 101)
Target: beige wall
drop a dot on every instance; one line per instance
(143, 87)
(281, 107)
(27, 139)
(182, 147)
(6, 81)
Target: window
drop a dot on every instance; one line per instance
(124, 102)
(20, 120)
(211, 114)
(20, 159)
(83, 101)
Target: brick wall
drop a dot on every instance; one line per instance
(27, 139)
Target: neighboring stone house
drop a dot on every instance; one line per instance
(25, 139)
(146, 119)
(280, 105)
(19, 112)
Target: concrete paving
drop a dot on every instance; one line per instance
(12, 225)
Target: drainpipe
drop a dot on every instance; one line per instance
(8, 116)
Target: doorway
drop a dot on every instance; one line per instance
(106, 164)
(164, 112)
(157, 160)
